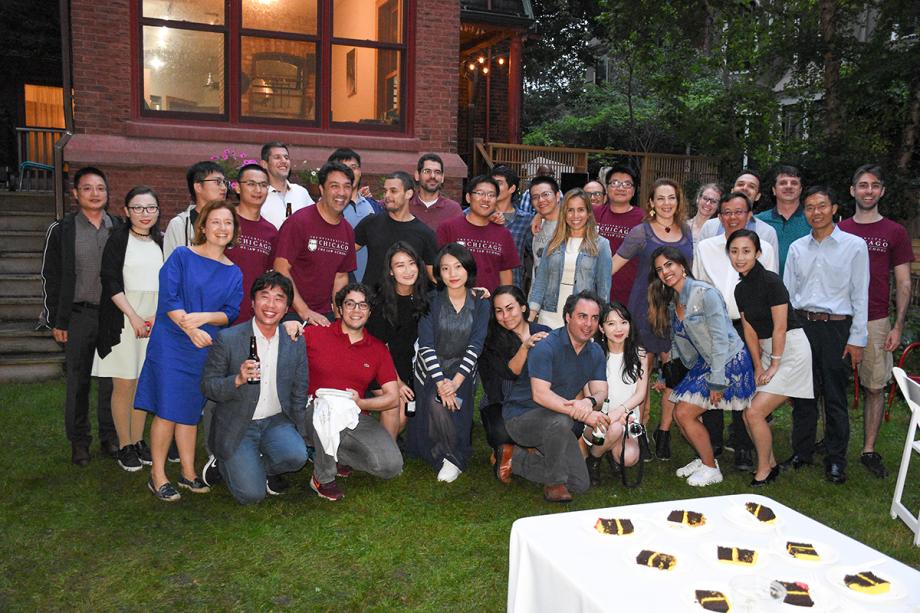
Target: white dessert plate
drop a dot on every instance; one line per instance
(739, 515)
(835, 576)
(685, 529)
(827, 553)
(709, 551)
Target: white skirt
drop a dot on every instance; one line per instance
(793, 378)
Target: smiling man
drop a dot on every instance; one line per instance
(543, 406)
(428, 203)
(379, 232)
(316, 247)
(206, 182)
(827, 275)
(257, 428)
(890, 253)
(616, 216)
(788, 216)
(492, 245)
(72, 289)
(747, 183)
(284, 198)
(345, 357)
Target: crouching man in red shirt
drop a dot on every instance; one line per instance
(347, 358)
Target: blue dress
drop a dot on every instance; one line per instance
(694, 388)
(170, 382)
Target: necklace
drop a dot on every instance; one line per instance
(138, 234)
(667, 228)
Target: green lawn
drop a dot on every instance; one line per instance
(96, 539)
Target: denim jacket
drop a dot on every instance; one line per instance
(709, 328)
(591, 272)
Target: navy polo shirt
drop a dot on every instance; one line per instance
(554, 359)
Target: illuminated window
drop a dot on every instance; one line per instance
(267, 65)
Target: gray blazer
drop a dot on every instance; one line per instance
(235, 406)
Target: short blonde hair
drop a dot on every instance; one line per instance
(206, 211)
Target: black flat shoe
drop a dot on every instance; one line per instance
(770, 478)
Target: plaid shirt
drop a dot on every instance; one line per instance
(519, 227)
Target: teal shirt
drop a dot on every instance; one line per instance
(787, 230)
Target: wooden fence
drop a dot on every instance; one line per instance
(524, 159)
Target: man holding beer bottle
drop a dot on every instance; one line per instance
(258, 426)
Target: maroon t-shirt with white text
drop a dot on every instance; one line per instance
(316, 250)
(614, 227)
(491, 245)
(889, 246)
(254, 253)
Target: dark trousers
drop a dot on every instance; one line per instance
(78, 353)
(559, 459)
(714, 421)
(831, 374)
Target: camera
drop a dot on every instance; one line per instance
(634, 427)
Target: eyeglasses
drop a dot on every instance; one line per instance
(617, 183)
(595, 194)
(741, 213)
(544, 196)
(87, 189)
(709, 200)
(219, 182)
(255, 184)
(351, 305)
(484, 195)
(429, 172)
(144, 209)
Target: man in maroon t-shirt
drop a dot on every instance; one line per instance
(316, 246)
(491, 245)
(614, 221)
(345, 357)
(428, 204)
(255, 248)
(889, 250)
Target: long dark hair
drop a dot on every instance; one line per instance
(463, 256)
(386, 298)
(503, 341)
(632, 362)
(659, 294)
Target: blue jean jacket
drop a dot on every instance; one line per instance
(709, 328)
(591, 272)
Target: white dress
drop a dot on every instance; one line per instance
(618, 392)
(554, 319)
(143, 260)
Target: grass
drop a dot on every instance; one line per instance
(95, 539)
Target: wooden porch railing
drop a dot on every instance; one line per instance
(524, 160)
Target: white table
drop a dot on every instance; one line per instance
(560, 564)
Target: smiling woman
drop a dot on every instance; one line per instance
(200, 290)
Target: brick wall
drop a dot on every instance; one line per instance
(136, 151)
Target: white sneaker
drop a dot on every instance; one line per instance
(449, 472)
(705, 476)
(685, 471)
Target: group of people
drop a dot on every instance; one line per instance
(351, 331)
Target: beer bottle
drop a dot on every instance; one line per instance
(254, 356)
(598, 435)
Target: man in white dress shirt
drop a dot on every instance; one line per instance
(284, 197)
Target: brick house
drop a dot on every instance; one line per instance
(161, 84)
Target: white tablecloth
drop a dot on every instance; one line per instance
(560, 564)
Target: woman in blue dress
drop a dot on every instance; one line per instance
(665, 225)
(721, 375)
(450, 340)
(200, 291)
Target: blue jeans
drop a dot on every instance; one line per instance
(271, 446)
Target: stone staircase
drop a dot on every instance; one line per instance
(26, 354)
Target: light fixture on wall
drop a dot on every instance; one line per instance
(211, 83)
(262, 89)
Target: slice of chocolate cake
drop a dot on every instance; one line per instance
(713, 601)
(736, 555)
(797, 594)
(654, 559)
(802, 551)
(614, 526)
(689, 518)
(762, 513)
(867, 583)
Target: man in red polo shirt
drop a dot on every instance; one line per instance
(492, 245)
(345, 357)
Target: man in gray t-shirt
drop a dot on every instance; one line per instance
(545, 197)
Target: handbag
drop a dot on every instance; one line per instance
(673, 372)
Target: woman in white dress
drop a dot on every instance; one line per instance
(130, 270)
(627, 387)
(577, 258)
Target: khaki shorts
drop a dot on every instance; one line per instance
(875, 369)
